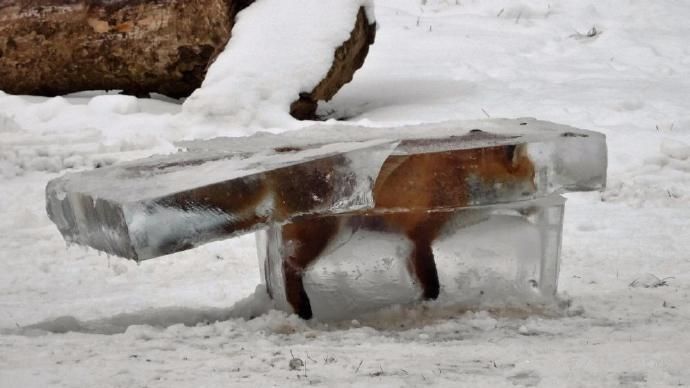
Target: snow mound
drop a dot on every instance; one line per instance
(661, 179)
(119, 104)
(256, 78)
(255, 305)
(675, 149)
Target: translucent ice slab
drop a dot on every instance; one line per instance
(223, 187)
(165, 204)
(562, 158)
(484, 257)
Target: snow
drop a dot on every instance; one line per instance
(274, 42)
(444, 60)
(114, 104)
(675, 149)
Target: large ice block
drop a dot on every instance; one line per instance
(485, 257)
(223, 187)
(165, 204)
(562, 158)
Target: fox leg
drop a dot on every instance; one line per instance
(423, 267)
(305, 240)
(294, 289)
(421, 261)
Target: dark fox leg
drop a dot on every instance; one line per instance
(294, 290)
(308, 239)
(422, 262)
(424, 268)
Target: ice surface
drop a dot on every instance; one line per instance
(563, 158)
(224, 187)
(494, 256)
(165, 204)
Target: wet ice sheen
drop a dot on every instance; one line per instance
(224, 187)
(165, 204)
(498, 256)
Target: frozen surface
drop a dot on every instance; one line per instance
(565, 158)
(278, 50)
(437, 62)
(501, 256)
(225, 187)
(166, 204)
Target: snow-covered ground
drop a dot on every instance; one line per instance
(183, 320)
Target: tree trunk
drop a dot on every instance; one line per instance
(54, 47)
(349, 57)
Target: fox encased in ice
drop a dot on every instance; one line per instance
(407, 187)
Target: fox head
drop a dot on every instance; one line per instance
(503, 169)
(454, 178)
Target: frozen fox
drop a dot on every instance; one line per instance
(407, 187)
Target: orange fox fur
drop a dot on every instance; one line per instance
(416, 183)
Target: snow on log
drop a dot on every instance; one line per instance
(285, 56)
(54, 47)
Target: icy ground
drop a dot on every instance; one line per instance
(155, 324)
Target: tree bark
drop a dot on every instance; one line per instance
(348, 58)
(54, 47)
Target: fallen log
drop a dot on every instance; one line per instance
(55, 47)
(348, 59)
